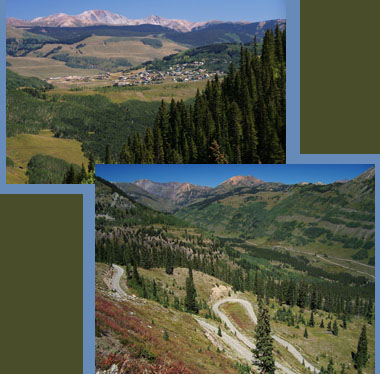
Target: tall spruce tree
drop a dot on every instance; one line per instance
(191, 304)
(335, 329)
(311, 321)
(264, 342)
(361, 356)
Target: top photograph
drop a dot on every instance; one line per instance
(152, 83)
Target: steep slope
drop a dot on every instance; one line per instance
(323, 218)
(320, 217)
(178, 193)
(150, 200)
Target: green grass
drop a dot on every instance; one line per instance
(165, 91)
(22, 147)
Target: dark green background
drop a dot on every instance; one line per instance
(340, 85)
(41, 282)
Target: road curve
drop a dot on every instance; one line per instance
(237, 346)
(116, 280)
(229, 340)
(248, 306)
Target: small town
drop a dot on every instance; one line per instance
(185, 72)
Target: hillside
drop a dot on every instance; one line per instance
(142, 304)
(320, 219)
(215, 57)
(88, 47)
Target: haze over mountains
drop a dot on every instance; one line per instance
(104, 17)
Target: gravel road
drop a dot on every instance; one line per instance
(116, 280)
(248, 306)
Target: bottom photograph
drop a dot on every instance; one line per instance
(235, 269)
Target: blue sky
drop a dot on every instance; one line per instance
(194, 10)
(212, 175)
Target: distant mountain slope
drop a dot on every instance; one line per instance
(75, 30)
(337, 215)
(177, 193)
(104, 17)
(150, 200)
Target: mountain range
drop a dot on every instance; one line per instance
(323, 216)
(104, 17)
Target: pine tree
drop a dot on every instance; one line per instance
(264, 342)
(70, 176)
(322, 325)
(219, 331)
(335, 329)
(370, 313)
(305, 334)
(191, 304)
(361, 356)
(330, 367)
(136, 275)
(107, 158)
(154, 290)
(311, 321)
(344, 321)
(238, 120)
(302, 294)
(166, 335)
(91, 163)
(169, 267)
(329, 326)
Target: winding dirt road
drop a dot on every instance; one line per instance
(248, 306)
(116, 280)
(244, 350)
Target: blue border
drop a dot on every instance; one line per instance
(293, 129)
(88, 192)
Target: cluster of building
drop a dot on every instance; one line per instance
(178, 73)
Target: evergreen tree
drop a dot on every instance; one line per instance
(191, 304)
(107, 158)
(344, 321)
(305, 334)
(155, 296)
(71, 176)
(91, 163)
(238, 120)
(330, 367)
(166, 335)
(370, 312)
(335, 329)
(83, 174)
(264, 342)
(361, 356)
(311, 321)
(302, 294)
(329, 326)
(219, 331)
(322, 325)
(169, 267)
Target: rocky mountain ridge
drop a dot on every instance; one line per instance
(104, 17)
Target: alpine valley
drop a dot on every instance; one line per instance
(248, 276)
(101, 87)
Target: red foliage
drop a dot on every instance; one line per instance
(120, 320)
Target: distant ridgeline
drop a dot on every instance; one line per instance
(36, 37)
(239, 120)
